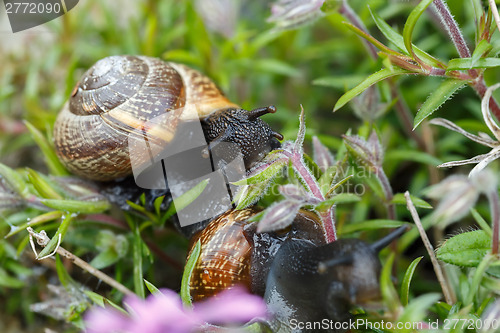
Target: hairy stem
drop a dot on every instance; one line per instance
(313, 186)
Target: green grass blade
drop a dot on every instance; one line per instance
(55, 166)
(411, 22)
(405, 284)
(188, 270)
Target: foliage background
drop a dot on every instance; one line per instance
(256, 66)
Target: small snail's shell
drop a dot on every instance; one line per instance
(232, 253)
(121, 97)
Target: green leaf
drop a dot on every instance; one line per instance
(188, 271)
(339, 198)
(482, 49)
(371, 39)
(185, 199)
(46, 217)
(77, 206)
(8, 281)
(151, 287)
(405, 284)
(138, 273)
(43, 185)
(468, 63)
(368, 82)
(63, 275)
(481, 222)
(250, 194)
(102, 301)
(54, 164)
(265, 175)
(466, 249)
(444, 92)
(399, 199)
(105, 259)
(398, 40)
(371, 224)
(411, 22)
(416, 310)
(14, 180)
(58, 237)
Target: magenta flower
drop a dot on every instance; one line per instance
(162, 313)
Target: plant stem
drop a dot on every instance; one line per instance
(452, 28)
(43, 240)
(313, 186)
(447, 291)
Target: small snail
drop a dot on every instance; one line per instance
(123, 97)
(300, 276)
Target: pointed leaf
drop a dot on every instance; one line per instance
(250, 194)
(482, 49)
(338, 199)
(77, 206)
(58, 237)
(152, 288)
(405, 284)
(368, 82)
(188, 271)
(466, 249)
(15, 182)
(398, 40)
(43, 185)
(444, 92)
(411, 22)
(53, 162)
(266, 174)
(468, 63)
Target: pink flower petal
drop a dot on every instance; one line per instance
(235, 305)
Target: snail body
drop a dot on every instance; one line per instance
(135, 97)
(302, 278)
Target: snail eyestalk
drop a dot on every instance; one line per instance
(256, 113)
(278, 136)
(383, 242)
(324, 265)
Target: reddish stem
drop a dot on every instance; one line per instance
(495, 220)
(313, 186)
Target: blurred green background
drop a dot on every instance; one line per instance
(254, 64)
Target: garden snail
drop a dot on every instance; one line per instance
(120, 97)
(300, 276)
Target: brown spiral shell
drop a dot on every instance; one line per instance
(119, 97)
